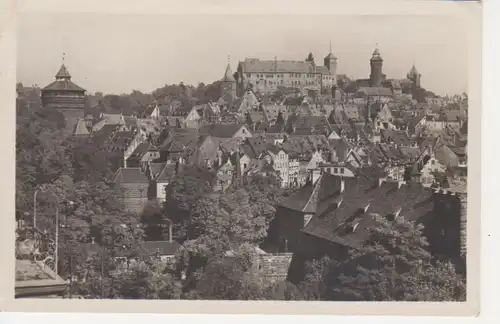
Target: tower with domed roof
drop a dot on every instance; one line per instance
(66, 97)
(376, 69)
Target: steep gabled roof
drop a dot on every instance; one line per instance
(130, 175)
(81, 127)
(350, 224)
(228, 75)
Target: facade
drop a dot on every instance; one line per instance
(66, 97)
(267, 76)
(280, 164)
(132, 187)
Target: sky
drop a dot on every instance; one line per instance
(120, 53)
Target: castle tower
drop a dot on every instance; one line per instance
(228, 85)
(330, 61)
(376, 69)
(66, 97)
(414, 76)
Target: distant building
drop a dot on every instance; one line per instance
(66, 97)
(266, 76)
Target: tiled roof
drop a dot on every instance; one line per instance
(228, 75)
(313, 198)
(140, 150)
(304, 146)
(396, 137)
(323, 70)
(163, 248)
(317, 124)
(63, 85)
(166, 174)
(81, 127)
(130, 175)
(350, 224)
(63, 73)
(375, 91)
(179, 138)
(220, 130)
(271, 66)
(121, 141)
(113, 119)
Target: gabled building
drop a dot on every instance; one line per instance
(132, 187)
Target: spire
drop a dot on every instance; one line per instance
(330, 48)
(63, 72)
(228, 75)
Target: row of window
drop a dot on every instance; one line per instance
(292, 75)
(335, 170)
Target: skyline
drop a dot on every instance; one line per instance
(111, 53)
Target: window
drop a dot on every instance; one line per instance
(335, 170)
(341, 170)
(329, 170)
(433, 161)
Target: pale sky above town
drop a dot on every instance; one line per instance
(119, 53)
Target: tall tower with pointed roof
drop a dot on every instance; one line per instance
(376, 69)
(330, 62)
(66, 97)
(414, 76)
(228, 85)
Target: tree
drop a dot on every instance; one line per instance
(155, 222)
(395, 265)
(183, 193)
(280, 120)
(310, 58)
(229, 278)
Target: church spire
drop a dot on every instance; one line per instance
(228, 75)
(63, 73)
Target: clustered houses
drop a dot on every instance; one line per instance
(351, 155)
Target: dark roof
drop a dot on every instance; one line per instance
(228, 75)
(63, 85)
(121, 141)
(339, 224)
(166, 173)
(220, 130)
(251, 65)
(375, 91)
(305, 146)
(314, 198)
(396, 137)
(178, 138)
(130, 175)
(161, 247)
(140, 150)
(63, 73)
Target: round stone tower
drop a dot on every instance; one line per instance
(376, 69)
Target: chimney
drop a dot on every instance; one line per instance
(93, 240)
(400, 183)
(170, 230)
(315, 175)
(380, 181)
(342, 184)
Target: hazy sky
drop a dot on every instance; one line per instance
(119, 53)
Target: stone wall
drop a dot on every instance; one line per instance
(274, 267)
(133, 196)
